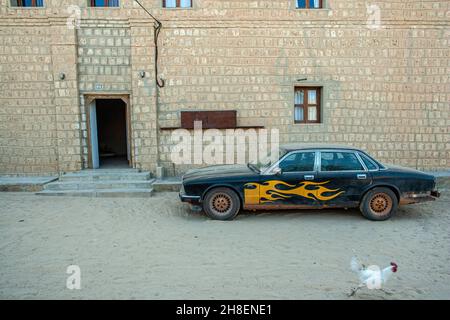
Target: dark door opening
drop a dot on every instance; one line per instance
(112, 133)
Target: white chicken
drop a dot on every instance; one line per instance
(371, 277)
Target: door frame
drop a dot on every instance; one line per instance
(343, 175)
(91, 97)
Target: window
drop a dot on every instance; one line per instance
(177, 3)
(309, 4)
(339, 161)
(27, 3)
(104, 3)
(299, 161)
(368, 162)
(307, 104)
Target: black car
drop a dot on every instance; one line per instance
(308, 176)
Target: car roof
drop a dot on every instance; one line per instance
(304, 146)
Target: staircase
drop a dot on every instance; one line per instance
(102, 183)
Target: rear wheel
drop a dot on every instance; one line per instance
(379, 204)
(221, 204)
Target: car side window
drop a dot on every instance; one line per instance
(369, 163)
(299, 161)
(339, 161)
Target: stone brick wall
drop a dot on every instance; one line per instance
(27, 112)
(385, 90)
(104, 63)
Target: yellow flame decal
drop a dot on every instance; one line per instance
(269, 191)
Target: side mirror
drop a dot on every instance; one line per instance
(277, 171)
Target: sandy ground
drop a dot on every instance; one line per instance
(157, 248)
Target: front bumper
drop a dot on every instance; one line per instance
(194, 200)
(190, 199)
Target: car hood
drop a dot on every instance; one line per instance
(218, 171)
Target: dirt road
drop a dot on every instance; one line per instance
(157, 248)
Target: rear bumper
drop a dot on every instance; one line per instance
(410, 198)
(435, 194)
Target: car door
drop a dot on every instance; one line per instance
(345, 177)
(293, 184)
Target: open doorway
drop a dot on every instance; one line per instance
(108, 133)
(112, 133)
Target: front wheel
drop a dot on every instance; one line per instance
(221, 204)
(379, 204)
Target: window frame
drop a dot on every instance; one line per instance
(26, 7)
(355, 153)
(295, 153)
(91, 4)
(271, 169)
(305, 104)
(307, 7)
(379, 165)
(177, 5)
(361, 155)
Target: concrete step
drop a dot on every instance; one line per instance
(124, 170)
(101, 184)
(99, 176)
(24, 184)
(167, 185)
(100, 193)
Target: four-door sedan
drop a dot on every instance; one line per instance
(308, 176)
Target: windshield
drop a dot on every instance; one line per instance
(269, 159)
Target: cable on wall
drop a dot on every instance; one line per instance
(157, 29)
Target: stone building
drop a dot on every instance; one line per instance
(373, 74)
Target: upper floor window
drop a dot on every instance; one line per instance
(104, 3)
(177, 3)
(27, 3)
(307, 104)
(309, 4)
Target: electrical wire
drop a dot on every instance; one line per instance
(157, 29)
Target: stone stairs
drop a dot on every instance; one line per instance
(102, 183)
(172, 184)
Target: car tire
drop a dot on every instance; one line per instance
(379, 204)
(221, 204)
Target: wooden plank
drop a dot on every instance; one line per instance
(210, 119)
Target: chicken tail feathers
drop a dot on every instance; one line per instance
(355, 266)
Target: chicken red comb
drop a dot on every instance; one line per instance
(394, 266)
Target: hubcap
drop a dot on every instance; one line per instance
(381, 204)
(221, 203)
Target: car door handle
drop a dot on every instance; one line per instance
(309, 177)
(362, 176)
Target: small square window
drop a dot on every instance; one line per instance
(177, 3)
(27, 3)
(104, 3)
(309, 4)
(307, 104)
